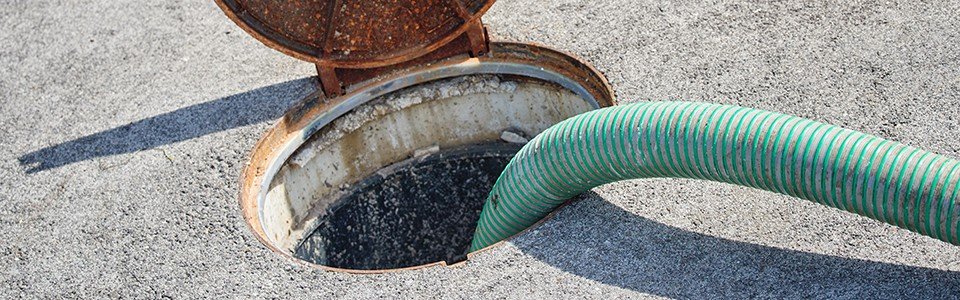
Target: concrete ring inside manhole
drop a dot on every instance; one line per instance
(393, 176)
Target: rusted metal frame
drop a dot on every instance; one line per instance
(475, 32)
(330, 84)
(335, 81)
(327, 75)
(479, 42)
(300, 122)
(462, 10)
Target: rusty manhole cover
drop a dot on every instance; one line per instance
(355, 33)
(338, 182)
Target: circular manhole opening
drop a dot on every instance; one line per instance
(394, 176)
(400, 180)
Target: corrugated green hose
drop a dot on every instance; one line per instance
(841, 168)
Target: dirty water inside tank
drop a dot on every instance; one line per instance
(419, 211)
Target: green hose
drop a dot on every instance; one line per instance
(841, 168)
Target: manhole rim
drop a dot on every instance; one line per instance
(279, 142)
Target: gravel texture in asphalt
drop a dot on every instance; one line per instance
(125, 126)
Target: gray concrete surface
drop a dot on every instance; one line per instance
(125, 124)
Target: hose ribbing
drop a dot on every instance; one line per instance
(841, 168)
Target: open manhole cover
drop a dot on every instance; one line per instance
(387, 166)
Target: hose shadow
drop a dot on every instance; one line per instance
(607, 244)
(259, 105)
